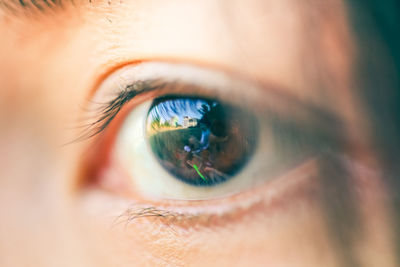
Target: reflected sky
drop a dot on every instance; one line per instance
(177, 109)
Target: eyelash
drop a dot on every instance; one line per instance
(109, 110)
(174, 220)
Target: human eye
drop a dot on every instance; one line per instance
(189, 147)
(177, 132)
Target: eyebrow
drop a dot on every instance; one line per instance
(21, 6)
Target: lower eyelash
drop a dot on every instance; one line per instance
(168, 218)
(291, 186)
(172, 219)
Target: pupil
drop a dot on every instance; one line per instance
(200, 141)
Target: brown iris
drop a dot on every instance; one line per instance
(200, 141)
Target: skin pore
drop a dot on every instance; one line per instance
(52, 63)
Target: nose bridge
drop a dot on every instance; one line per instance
(38, 105)
(31, 195)
(26, 174)
(36, 225)
(26, 130)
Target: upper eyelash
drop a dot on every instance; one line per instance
(107, 111)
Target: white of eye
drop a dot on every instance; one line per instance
(133, 152)
(281, 144)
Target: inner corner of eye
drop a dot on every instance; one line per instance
(200, 141)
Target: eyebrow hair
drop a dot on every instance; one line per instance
(21, 6)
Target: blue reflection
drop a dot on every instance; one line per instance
(183, 113)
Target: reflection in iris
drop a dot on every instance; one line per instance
(200, 141)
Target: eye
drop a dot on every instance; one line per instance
(200, 134)
(187, 147)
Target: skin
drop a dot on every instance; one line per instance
(51, 64)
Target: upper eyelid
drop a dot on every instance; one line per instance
(224, 85)
(276, 102)
(311, 115)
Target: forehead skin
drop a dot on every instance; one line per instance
(52, 62)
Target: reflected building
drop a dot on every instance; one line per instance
(189, 122)
(174, 121)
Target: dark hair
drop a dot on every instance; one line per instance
(375, 25)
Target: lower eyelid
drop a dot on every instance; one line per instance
(294, 186)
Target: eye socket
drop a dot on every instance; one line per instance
(200, 141)
(236, 135)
